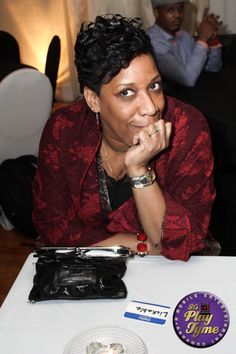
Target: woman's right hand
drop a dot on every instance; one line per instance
(147, 143)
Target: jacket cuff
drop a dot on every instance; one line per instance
(214, 42)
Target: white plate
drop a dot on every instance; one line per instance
(106, 336)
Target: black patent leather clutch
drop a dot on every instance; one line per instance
(71, 273)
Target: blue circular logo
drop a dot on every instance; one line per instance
(201, 319)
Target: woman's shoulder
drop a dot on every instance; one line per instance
(76, 110)
(77, 113)
(69, 121)
(178, 112)
(189, 125)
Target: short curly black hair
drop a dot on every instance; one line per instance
(106, 46)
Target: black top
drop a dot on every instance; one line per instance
(118, 191)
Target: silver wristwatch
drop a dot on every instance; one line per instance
(143, 181)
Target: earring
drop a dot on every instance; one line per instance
(97, 118)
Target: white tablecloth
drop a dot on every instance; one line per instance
(46, 327)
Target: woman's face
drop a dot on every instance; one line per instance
(131, 101)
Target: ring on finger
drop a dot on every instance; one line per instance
(155, 131)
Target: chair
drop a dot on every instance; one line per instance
(9, 48)
(228, 42)
(25, 105)
(52, 62)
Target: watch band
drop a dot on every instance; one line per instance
(143, 181)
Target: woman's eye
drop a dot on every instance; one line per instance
(127, 93)
(156, 86)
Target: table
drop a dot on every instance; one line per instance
(46, 327)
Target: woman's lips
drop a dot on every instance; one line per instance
(138, 127)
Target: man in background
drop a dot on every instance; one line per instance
(181, 58)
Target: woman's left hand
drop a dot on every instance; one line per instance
(147, 143)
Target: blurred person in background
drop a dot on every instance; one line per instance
(182, 58)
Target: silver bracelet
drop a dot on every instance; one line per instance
(143, 181)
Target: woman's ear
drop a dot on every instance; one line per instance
(92, 99)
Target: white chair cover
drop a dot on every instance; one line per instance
(25, 106)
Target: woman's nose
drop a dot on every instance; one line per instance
(147, 105)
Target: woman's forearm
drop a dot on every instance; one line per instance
(127, 240)
(151, 208)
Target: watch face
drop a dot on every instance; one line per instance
(201, 319)
(146, 180)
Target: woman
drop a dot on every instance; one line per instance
(124, 166)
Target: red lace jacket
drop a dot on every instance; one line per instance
(67, 209)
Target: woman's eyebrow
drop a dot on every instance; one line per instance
(128, 83)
